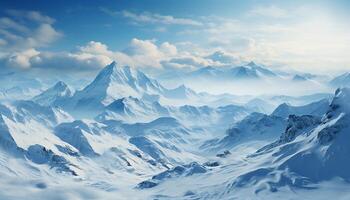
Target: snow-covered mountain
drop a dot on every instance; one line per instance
(133, 109)
(115, 82)
(55, 95)
(299, 100)
(309, 157)
(314, 149)
(254, 127)
(341, 81)
(181, 92)
(317, 108)
(260, 105)
(250, 71)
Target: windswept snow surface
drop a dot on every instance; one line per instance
(125, 136)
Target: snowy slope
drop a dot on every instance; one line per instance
(309, 160)
(132, 109)
(18, 86)
(254, 127)
(341, 81)
(112, 83)
(55, 95)
(314, 149)
(260, 105)
(318, 108)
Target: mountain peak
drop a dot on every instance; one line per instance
(115, 73)
(60, 85)
(113, 68)
(252, 64)
(54, 94)
(115, 82)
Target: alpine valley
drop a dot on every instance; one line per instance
(126, 136)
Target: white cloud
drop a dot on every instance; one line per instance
(31, 15)
(8, 23)
(44, 35)
(95, 48)
(95, 55)
(22, 59)
(190, 61)
(142, 47)
(24, 30)
(153, 18)
(168, 48)
(304, 38)
(2, 42)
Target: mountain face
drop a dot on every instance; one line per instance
(251, 70)
(132, 109)
(308, 152)
(322, 143)
(115, 82)
(318, 108)
(254, 127)
(341, 81)
(25, 133)
(258, 126)
(181, 92)
(309, 155)
(54, 95)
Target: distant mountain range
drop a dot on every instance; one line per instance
(251, 71)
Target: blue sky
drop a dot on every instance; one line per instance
(85, 35)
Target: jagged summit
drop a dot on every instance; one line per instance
(60, 84)
(52, 96)
(115, 82)
(252, 64)
(114, 73)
